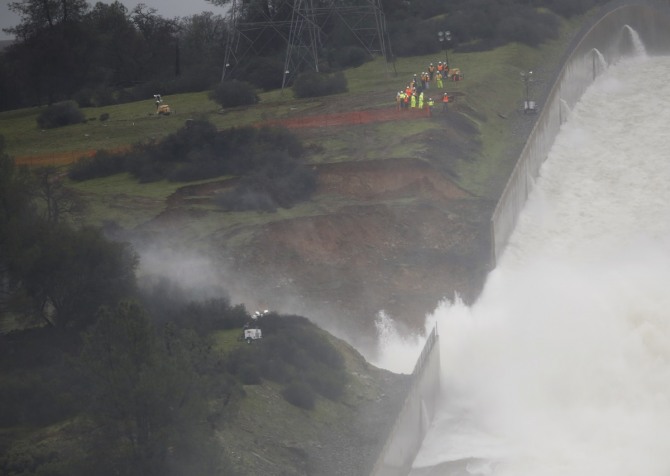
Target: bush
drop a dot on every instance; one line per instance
(296, 353)
(278, 182)
(299, 394)
(528, 27)
(234, 93)
(412, 42)
(102, 164)
(263, 72)
(313, 84)
(348, 57)
(60, 114)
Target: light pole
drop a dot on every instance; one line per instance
(527, 78)
(445, 37)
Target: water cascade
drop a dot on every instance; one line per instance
(638, 46)
(599, 62)
(562, 366)
(564, 111)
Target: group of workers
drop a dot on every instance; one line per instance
(413, 96)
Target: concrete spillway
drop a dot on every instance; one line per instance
(620, 31)
(511, 392)
(562, 364)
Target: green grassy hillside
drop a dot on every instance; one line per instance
(491, 88)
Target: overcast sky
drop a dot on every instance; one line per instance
(165, 8)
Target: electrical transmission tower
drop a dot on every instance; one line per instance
(301, 26)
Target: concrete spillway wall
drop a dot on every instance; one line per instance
(410, 428)
(621, 28)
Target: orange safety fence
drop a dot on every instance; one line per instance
(57, 159)
(351, 118)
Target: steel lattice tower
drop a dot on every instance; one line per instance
(300, 25)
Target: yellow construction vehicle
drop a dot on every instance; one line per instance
(161, 108)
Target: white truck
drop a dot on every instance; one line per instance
(251, 330)
(251, 335)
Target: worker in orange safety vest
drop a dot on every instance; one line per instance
(445, 101)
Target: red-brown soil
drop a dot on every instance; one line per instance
(396, 234)
(403, 237)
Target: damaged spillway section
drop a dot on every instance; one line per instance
(622, 29)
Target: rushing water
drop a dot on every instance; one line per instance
(562, 366)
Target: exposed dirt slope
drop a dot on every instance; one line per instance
(392, 234)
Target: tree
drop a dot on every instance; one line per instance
(74, 272)
(59, 201)
(37, 15)
(159, 35)
(16, 219)
(54, 46)
(201, 39)
(146, 393)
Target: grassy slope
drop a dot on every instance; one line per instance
(492, 88)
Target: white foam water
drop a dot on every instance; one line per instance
(399, 348)
(562, 366)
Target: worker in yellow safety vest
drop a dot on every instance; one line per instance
(438, 80)
(431, 103)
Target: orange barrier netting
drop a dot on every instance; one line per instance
(351, 118)
(57, 159)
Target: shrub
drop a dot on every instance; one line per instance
(207, 316)
(528, 27)
(234, 93)
(263, 72)
(295, 353)
(313, 84)
(348, 57)
(278, 181)
(299, 394)
(413, 42)
(104, 116)
(60, 114)
(102, 164)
